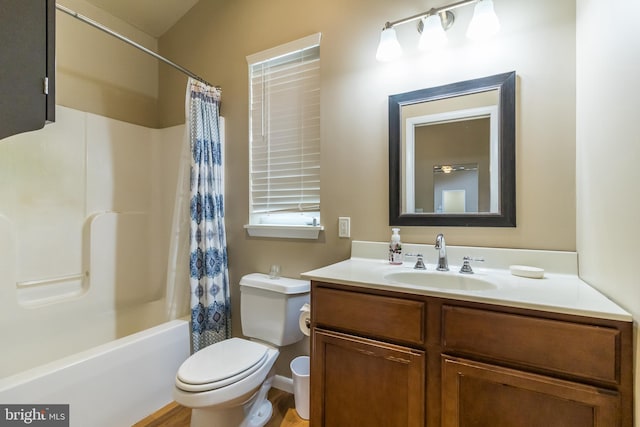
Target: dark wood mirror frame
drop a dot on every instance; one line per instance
(506, 84)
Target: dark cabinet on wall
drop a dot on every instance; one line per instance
(27, 65)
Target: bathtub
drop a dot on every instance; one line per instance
(114, 384)
(99, 340)
(84, 237)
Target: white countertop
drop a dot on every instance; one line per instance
(560, 291)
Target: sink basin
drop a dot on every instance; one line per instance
(440, 280)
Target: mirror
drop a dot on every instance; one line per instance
(452, 154)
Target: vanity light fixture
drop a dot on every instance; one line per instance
(432, 25)
(433, 35)
(389, 48)
(485, 22)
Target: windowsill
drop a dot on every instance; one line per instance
(284, 231)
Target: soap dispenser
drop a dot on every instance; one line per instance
(395, 247)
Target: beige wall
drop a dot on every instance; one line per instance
(608, 148)
(99, 74)
(537, 41)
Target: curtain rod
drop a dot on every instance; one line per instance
(131, 42)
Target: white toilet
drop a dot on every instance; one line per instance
(226, 383)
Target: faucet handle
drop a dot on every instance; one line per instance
(466, 266)
(419, 261)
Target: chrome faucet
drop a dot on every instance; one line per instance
(441, 246)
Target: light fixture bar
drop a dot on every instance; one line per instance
(432, 25)
(432, 11)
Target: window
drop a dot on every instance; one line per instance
(284, 140)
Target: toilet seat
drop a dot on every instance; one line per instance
(220, 365)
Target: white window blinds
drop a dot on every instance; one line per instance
(284, 134)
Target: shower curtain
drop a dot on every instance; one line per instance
(199, 214)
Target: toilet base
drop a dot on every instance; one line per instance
(201, 417)
(254, 413)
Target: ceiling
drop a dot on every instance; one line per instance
(154, 17)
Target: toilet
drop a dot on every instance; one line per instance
(226, 383)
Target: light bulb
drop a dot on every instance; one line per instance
(485, 22)
(388, 48)
(433, 35)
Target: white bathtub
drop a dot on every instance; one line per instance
(111, 385)
(84, 237)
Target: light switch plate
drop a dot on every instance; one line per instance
(344, 226)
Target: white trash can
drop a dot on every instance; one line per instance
(300, 375)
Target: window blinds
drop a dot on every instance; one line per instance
(285, 137)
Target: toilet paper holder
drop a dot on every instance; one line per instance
(305, 319)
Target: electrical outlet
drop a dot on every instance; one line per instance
(344, 227)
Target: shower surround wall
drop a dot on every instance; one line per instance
(85, 214)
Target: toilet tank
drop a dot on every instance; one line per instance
(270, 308)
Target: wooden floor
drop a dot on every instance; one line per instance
(174, 415)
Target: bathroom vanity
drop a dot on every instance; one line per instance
(525, 352)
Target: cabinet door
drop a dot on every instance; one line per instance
(482, 395)
(361, 382)
(27, 55)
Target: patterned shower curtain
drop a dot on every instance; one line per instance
(209, 277)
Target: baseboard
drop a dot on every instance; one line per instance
(283, 383)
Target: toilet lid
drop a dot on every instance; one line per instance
(221, 364)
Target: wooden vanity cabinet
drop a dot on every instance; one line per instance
(367, 362)
(367, 382)
(486, 395)
(27, 57)
(394, 359)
